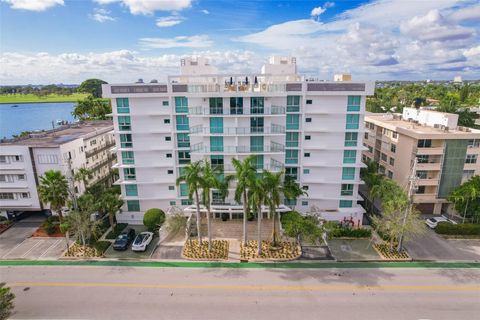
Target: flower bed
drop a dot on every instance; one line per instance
(384, 252)
(285, 251)
(79, 251)
(41, 232)
(192, 250)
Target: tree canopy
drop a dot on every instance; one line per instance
(92, 86)
(466, 199)
(92, 108)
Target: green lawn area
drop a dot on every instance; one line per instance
(29, 98)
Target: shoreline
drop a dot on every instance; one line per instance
(30, 98)
(38, 102)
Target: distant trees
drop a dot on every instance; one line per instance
(38, 90)
(92, 86)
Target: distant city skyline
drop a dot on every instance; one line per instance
(62, 41)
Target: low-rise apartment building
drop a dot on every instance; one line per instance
(447, 154)
(311, 129)
(69, 148)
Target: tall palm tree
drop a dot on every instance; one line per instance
(193, 178)
(292, 189)
(110, 203)
(257, 198)
(372, 180)
(83, 175)
(53, 189)
(273, 186)
(245, 173)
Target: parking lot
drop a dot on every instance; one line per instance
(16, 243)
(129, 254)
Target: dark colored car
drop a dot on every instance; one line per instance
(124, 239)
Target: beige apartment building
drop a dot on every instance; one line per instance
(447, 154)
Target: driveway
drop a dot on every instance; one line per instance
(15, 243)
(431, 246)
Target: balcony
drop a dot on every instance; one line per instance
(99, 149)
(428, 182)
(227, 111)
(237, 131)
(430, 151)
(424, 197)
(271, 148)
(429, 166)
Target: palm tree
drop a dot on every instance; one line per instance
(210, 180)
(245, 174)
(193, 178)
(372, 178)
(53, 189)
(292, 189)
(110, 203)
(466, 192)
(273, 186)
(257, 198)
(83, 175)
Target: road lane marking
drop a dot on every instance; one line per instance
(442, 288)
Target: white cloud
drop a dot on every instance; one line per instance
(466, 14)
(472, 52)
(33, 5)
(205, 11)
(317, 11)
(101, 15)
(197, 41)
(148, 7)
(329, 5)
(169, 21)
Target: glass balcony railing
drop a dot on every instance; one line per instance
(225, 131)
(273, 110)
(271, 148)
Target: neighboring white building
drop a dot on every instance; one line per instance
(24, 160)
(312, 129)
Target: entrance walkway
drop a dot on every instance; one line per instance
(233, 229)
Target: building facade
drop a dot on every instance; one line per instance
(311, 129)
(447, 154)
(67, 149)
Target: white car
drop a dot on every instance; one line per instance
(142, 240)
(433, 222)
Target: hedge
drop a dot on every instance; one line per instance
(458, 229)
(153, 219)
(101, 246)
(351, 233)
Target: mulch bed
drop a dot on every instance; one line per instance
(40, 232)
(5, 226)
(286, 251)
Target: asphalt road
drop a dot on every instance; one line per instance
(70, 292)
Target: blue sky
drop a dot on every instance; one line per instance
(53, 41)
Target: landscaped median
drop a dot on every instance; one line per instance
(284, 251)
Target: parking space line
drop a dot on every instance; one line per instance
(33, 247)
(49, 248)
(11, 250)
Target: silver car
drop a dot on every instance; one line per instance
(433, 222)
(142, 241)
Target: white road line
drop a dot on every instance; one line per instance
(11, 250)
(39, 242)
(48, 249)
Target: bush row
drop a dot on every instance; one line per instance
(458, 229)
(351, 233)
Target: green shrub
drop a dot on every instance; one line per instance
(6, 302)
(335, 230)
(101, 246)
(116, 230)
(153, 219)
(49, 226)
(469, 229)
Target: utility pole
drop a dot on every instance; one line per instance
(412, 187)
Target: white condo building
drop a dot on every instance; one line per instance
(311, 129)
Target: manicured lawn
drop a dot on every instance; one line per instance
(31, 98)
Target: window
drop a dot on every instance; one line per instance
(256, 124)
(392, 161)
(347, 190)
(306, 171)
(183, 190)
(183, 157)
(394, 135)
(352, 121)
(6, 196)
(124, 123)
(256, 144)
(217, 161)
(166, 121)
(351, 139)
(182, 122)
(308, 137)
(306, 154)
(126, 140)
(421, 174)
(365, 136)
(123, 105)
(389, 174)
(384, 157)
(393, 148)
(183, 140)
(348, 173)
(169, 171)
(133, 205)
(471, 158)
(169, 155)
(467, 175)
(25, 195)
(171, 188)
(216, 105)
(305, 187)
(422, 159)
(290, 202)
(257, 105)
(172, 202)
(216, 144)
(127, 157)
(18, 158)
(291, 156)
(353, 103)
(129, 173)
(420, 189)
(293, 121)
(309, 101)
(291, 172)
(473, 143)
(186, 202)
(291, 139)
(3, 178)
(308, 119)
(165, 103)
(293, 103)
(181, 104)
(168, 138)
(424, 143)
(349, 156)
(304, 203)
(216, 125)
(21, 177)
(3, 159)
(346, 203)
(236, 105)
(131, 190)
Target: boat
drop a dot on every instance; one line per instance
(14, 106)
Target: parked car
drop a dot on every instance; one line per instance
(433, 222)
(142, 241)
(124, 239)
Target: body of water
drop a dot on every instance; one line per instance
(15, 118)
